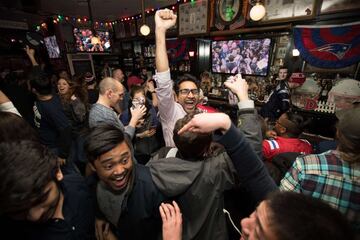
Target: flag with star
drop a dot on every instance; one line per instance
(329, 46)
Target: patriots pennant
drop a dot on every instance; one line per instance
(329, 46)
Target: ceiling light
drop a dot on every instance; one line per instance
(145, 30)
(295, 52)
(257, 12)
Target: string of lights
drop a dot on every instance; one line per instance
(107, 24)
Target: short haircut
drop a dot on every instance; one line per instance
(135, 89)
(15, 128)
(206, 74)
(185, 78)
(41, 82)
(116, 70)
(103, 138)
(349, 149)
(26, 168)
(106, 84)
(298, 125)
(191, 145)
(300, 217)
(284, 67)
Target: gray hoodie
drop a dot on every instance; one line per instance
(198, 188)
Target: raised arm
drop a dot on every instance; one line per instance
(164, 19)
(250, 169)
(31, 54)
(248, 119)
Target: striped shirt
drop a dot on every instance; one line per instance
(327, 177)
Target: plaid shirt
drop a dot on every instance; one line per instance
(327, 177)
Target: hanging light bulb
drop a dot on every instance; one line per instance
(144, 29)
(257, 12)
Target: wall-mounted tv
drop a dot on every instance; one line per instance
(248, 56)
(52, 47)
(88, 40)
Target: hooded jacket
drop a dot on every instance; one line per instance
(198, 186)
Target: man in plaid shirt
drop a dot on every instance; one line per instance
(333, 176)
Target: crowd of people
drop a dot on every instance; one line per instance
(145, 159)
(241, 56)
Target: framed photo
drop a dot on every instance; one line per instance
(228, 11)
(332, 6)
(193, 18)
(281, 52)
(289, 10)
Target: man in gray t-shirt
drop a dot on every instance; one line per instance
(111, 92)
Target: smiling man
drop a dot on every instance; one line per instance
(186, 88)
(37, 201)
(125, 193)
(111, 92)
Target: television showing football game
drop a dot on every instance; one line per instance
(248, 57)
(52, 47)
(88, 40)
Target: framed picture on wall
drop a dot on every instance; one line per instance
(289, 10)
(230, 13)
(332, 6)
(193, 18)
(281, 52)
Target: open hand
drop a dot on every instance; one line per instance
(172, 221)
(29, 51)
(207, 123)
(238, 86)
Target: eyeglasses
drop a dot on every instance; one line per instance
(186, 91)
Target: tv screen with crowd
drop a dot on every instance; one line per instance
(88, 40)
(248, 56)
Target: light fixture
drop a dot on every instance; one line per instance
(257, 12)
(295, 52)
(144, 29)
(191, 53)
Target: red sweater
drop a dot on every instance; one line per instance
(273, 147)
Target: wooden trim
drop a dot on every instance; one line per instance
(251, 30)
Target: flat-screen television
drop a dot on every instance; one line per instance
(52, 47)
(248, 56)
(88, 40)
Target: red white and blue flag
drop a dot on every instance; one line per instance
(329, 46)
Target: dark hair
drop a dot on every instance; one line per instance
(298, 122)
(349, 149)
(41, 82)
(133, 90)
(103, 138)
(76, 87)
(26, 168)
(15, 128)
(300, 217)
(191, 145)
(184, 78)
(283, 67)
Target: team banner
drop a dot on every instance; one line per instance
(329, 46)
